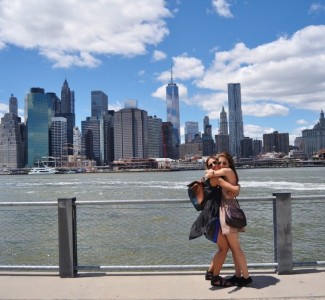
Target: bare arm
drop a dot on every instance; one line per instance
(233, 189)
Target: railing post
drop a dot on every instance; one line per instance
(283, 232)
(67, 237)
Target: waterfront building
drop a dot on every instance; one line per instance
(246, 146)
(257, 147)
(130, 133)
(276, 142)
(107, 138)
(67, 98)
(167, 139)
(67, 110)
(222, 139)
(207, 127)
(190, 150)
(298, 143)
(191, 129)
(11, 138)
(222, 143)
(313, 140)
(207, 140)
(90, 139)
(155, 148)
(99, 103)
(56, 104)
(236, 128)
(38, 113)
(59, 148)
(172, 99)
(223, 127)
(76, 141)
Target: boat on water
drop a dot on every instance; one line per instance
(42, 170)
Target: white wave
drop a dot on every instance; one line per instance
(280, 185)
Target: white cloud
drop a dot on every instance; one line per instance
(184, 68)
(316, 8)
(265, 109)
(301, 122)
(4, 108)
(222, 8)
(158, 55)
(75, 33)
(160, 93)
(285, 73)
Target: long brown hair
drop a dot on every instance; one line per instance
(231, 162)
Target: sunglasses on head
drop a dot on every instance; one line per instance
(214, 163)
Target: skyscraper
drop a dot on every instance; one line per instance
(236, 128)
(67, 111)
(191, 129)
(67, 105)
(13, 105)
(99, 103)
(38, 121)
(222, 139)
(223, 129)
(207, 128)
(130, 133)
(90, 139)
(155, 148)
(11, 138)
(172, 98)
(59, 138)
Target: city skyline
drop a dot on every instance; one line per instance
(128, 56)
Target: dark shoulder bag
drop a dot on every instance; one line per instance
(235, 216)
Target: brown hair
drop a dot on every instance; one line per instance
(231, 162)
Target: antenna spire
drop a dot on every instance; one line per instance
(171, 72)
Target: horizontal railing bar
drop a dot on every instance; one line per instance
(30, 268)
(149, 201)
(152, 267)
(167, 267)
(31, 203)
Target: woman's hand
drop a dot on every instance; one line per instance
(209, 174)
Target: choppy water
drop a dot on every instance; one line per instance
(154, 185)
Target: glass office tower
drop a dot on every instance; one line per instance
(236, 128)
(172, 98)
(38, 121)
(99, 103)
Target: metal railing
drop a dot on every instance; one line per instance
(144, 235)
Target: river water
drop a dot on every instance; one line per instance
(154, 185)
(146, 235)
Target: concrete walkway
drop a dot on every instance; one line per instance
(302, 284)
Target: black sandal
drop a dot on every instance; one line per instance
(235, 280)
(245, 281)
(220, 281)
(208, 275)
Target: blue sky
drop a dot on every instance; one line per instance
(274, 48)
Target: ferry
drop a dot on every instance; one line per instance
(42, 170)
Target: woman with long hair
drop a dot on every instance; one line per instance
(228, 236)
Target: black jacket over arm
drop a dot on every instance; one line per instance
(209, 216)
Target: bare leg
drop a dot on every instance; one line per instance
(238, 254)
(220, 256)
